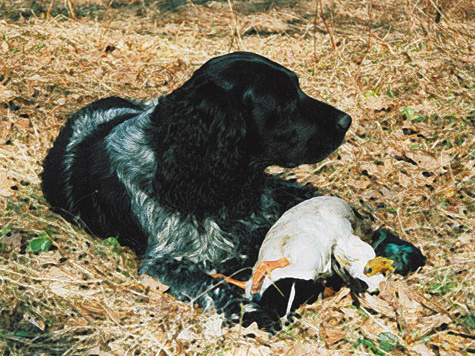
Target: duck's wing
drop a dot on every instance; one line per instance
(352, 255)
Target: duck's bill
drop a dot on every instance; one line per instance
(378, 265)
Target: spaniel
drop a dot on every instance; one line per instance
(182, 180)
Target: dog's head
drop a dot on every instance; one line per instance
(284, 126)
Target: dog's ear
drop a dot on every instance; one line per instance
(200, 142)
(221, 129)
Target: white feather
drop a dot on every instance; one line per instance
(291, 301)
(311, 235)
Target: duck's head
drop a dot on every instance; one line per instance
(405, 256)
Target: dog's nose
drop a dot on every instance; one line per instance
(344, 122)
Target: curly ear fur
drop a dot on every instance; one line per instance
(203, 161)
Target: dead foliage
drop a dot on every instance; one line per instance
(405, 72)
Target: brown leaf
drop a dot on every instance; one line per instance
(24, 123)
(362, 183)
(379, 305)
(5, 128)
(425, 325)
(251, 350)
(332, 335)
(77, 321)
(421, 350)
(407, 303)
(30, 318)
(152, 283)
(6, 95)
(427, 160)
(377, 103)
(5, 184)
(420, 128)
(375, 326)
(388, 193)
(12, 240)
(404, 180)
(98, 309)
(309, 349)
(370, 168)
(111, 314)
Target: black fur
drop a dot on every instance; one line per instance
(181, 180)
(277, 295)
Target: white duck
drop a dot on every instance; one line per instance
(312, 241)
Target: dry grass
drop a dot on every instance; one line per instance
(404, 70)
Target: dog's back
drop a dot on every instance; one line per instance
(63, 167)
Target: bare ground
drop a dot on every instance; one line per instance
(404, 71)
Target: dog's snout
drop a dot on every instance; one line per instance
(344, 122)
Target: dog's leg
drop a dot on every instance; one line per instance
(189, 284)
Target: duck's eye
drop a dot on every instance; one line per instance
(368, 270)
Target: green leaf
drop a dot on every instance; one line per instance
(5, 231)
(419, 118)
(369, 344)
(390, 94)
(49, 232)
(112, 241)
(387, 341)
(407, 113)
(40, 244)
(469, 320)
(22, 334)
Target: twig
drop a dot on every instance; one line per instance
(50, 7)
(72, 6)
(233, 26)
(105, 28)
(327, 27)
(315, 37)
(60, 249)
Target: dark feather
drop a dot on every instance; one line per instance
(407, 257)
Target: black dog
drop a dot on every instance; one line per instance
(182, 180)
